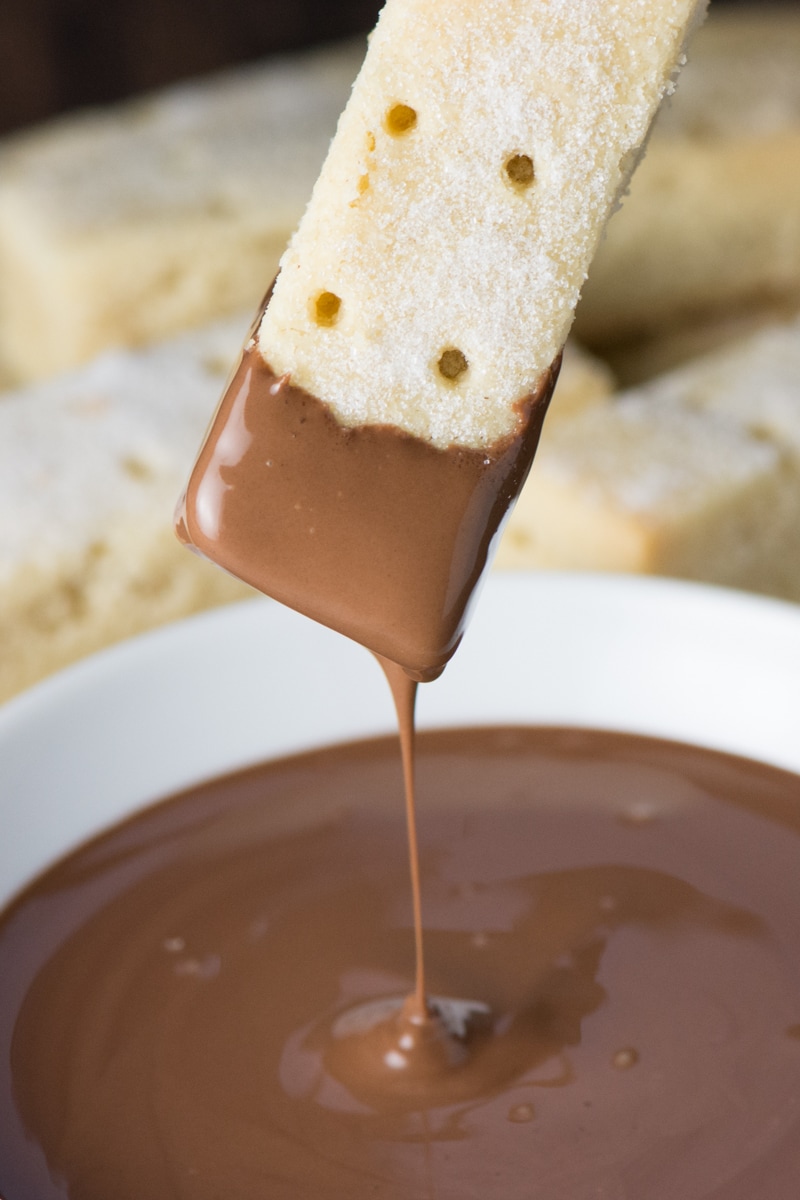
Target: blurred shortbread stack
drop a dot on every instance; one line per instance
(710, 233)
(695, 474)
(120, 227)
(91, 465)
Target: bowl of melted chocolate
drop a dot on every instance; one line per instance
(587, 986)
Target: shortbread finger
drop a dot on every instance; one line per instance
(435, 273)
(121, 226)
(696, 475)
(89, 466)
(387, 410)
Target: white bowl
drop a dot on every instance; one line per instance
(216, 692)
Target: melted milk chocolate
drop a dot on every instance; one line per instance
(404, 694)
(376, 533)
(206, 1001)
(371, 531)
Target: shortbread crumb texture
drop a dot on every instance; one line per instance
(433, 278)
(90, 468)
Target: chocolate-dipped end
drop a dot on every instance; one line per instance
(369, 530)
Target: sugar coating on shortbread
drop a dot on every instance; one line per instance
(433, 279)
(695, 474)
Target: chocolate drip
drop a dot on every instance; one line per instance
(208, 1000)
(404, 694)
(374, 532)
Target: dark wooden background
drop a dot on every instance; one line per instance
(61, 54)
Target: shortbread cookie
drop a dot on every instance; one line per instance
(743, 79)
(119, 227)
(695, 475)
(90, 465)
(642, 359)
(6, 378)
(712, 223)
(386, 412)
(584, 382)
(754, 384)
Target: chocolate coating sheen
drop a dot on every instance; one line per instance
(208, 1000)
(369, 530)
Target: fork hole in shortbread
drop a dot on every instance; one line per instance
(326, 308)
(400, 119)
(519, 169)
(452, 363)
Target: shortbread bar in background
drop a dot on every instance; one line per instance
(696, 475)
(584, 382)
(642, 359)
(121, 226)
(90, 465)
(428, 291)
(754, 384)
(712, 223)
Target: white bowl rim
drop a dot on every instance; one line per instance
(227, 688)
